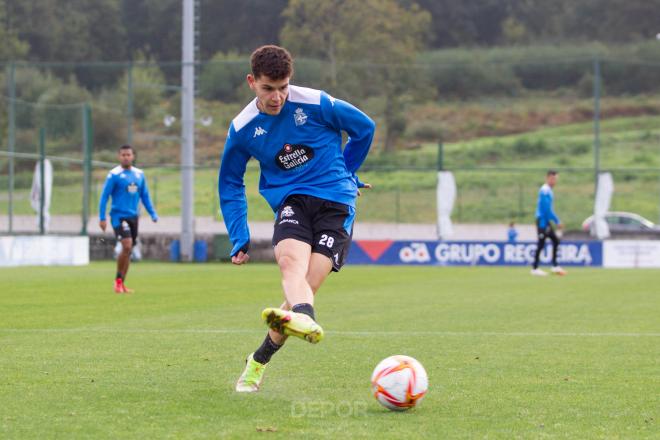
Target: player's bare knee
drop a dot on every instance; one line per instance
(290, 266)
(126, 247)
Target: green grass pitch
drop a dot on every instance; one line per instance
(508, 355)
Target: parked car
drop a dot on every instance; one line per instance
(623, 222)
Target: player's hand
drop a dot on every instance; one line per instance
(240, 258)
(560, 226)
(103, 224)
(154, 219)
(366, 186)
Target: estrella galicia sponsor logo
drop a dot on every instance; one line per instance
(293, 156)
(287, 211)
(299, 117)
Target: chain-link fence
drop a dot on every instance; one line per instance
(501, 124)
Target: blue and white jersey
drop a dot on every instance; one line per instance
(126, 187)
(544, 209)
(299, 151)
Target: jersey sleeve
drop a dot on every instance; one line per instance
(146, 199)
(105, 195)
(231, 190)
(360, 128)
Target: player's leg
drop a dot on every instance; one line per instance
(293, 258)
(123, 261)
(556, 269)
(133, 228)
(293, 225)
(123, 234)
(319, 269)
(542, 235)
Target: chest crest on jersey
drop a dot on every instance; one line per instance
(132, 188)
(299, 117)
(293, 156)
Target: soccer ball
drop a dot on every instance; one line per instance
(399, 382)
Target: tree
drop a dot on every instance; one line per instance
(376, 40)
(12, 46)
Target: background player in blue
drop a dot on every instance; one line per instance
(545, 215)
(126, 185)
(295, 134)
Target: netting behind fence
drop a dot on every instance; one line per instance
(502, 125)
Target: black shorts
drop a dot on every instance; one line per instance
(326, 226)
(128, 228)
(547, 232)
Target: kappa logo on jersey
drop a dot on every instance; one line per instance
(287, 211)
(132, 188)
(258, 132)
(299, 117)
(293, 156)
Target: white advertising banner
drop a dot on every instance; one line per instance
(44, 250)
(602, 204)
(35, 194)
(631, 254)
(446, 195)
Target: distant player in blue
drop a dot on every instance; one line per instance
(126, 185)
(295, 133)
(545, 216)
(512, 233)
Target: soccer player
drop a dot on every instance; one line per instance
(126, 185)
(545, 215)
(295, 133)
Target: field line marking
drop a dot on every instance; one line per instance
(330, 333)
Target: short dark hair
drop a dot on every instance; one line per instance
(272, 61)
(127, 147)
(552, 173)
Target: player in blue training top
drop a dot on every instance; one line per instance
(295, 134)
(545, 215)
(126, 185)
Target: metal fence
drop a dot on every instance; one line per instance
(501, 126)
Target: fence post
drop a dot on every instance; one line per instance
(441, 157)
(42, 173)
(156, 191)
(11, 143)
(397, 206)
(88, 139)
(597, 92)
(129, 104)
(520, 202)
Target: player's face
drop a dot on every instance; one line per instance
(126, 157)
(271, 94)
(552, 180)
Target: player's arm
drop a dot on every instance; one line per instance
(105, 195)
(545, 202)
(233, 202)
(360, 128)
(146, 199)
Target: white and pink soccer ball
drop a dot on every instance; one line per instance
(399, 382)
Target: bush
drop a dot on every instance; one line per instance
(59, 111)
(148, 88)
(463, 74)
(526, 147)
(223, 76)
(424, 130)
